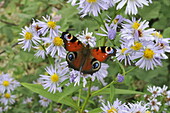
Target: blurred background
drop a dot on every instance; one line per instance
(25, 67)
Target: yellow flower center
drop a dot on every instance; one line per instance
(54, 77)
(112, 110)
(28, 36)
(115, 21)
(148, 53)
(135, 25)
(6, 83)
(123, 50)
(90, 1)
(147, 112)
(51, 24)
(58, 41)
(157, 34)
(137, 46)
(7, 95)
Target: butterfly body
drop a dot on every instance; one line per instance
(82, 58)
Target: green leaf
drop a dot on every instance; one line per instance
(166, 32)
(55, 97)
(112, 92)
(117, 91)
(97, 110)
(151, 11)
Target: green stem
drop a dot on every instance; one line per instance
(104, 42)
(121, 66)
(130, 70)
(104, 87)
(49, 59)
(78, 102)
(88, 97)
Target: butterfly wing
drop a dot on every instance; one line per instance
(103, 52)
(71, 43)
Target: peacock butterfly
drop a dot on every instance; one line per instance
(83, 58)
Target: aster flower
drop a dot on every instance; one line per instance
(30, 37)
(168, 98)
(124, 55)
(41, 52)
(87, 38)
(136, 30)
(116, 21)
(110, 32)
(116, 107)
(28, 100)
(55, 77)
(163, 90)
(54, 15)
(120, 78)
(7, 98)
(44, 101)
(49, 25)
(156, 91)
(149, 57)
(73, 2)
(132, 5)
(154, 104)
(55, 46)
(163, 44)
(92, 6)
(7, 83)
(138, 107)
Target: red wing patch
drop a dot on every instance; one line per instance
(99, 54)
(74, 46)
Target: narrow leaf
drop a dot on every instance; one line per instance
(37, 88)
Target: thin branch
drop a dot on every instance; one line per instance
(11, 47)
(9, 23)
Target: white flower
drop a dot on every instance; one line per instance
(92, 6)
(168, 98)
(124, 55)
(87, 38)
(138, 107)
(116, 107)
(132, 5)
(44, 101)
(30, 37)
(156, 91)
(163, 44)
(49, 25)
(55, 77)
(163, 90)
(149, 57)
(73, 2)
(154, 104)
(56, 46)
(136, 30)
(28, 100)
(41, 52)
(110, 32)
(7, 83)
(7, 98)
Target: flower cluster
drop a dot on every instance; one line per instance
(95, 6)
(158, 98)
(7, 85)
(141, 45)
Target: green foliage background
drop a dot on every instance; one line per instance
(15, 14)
